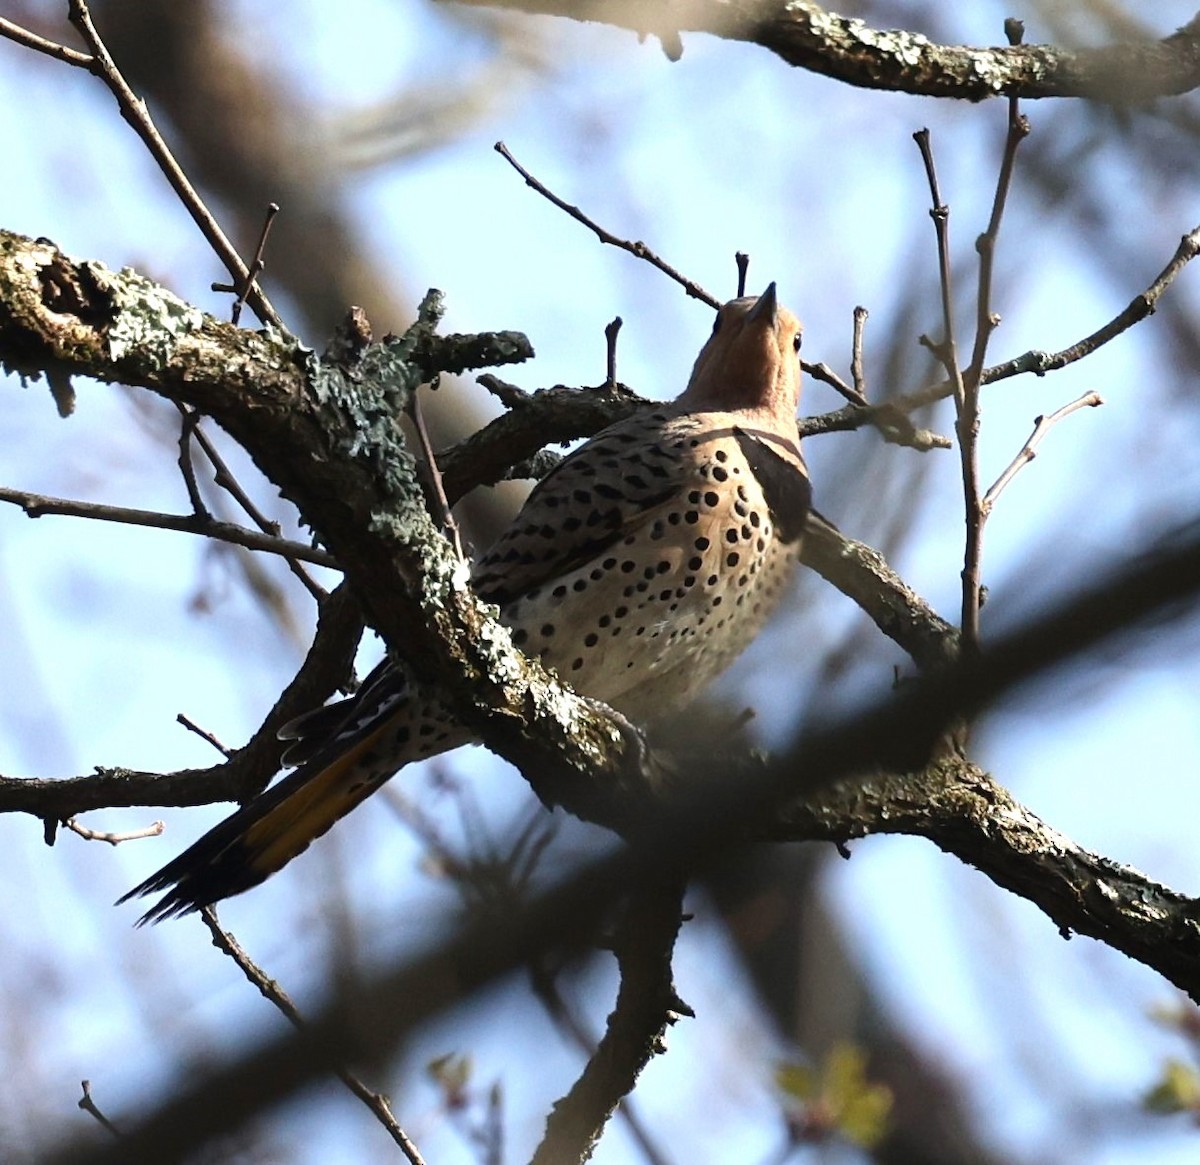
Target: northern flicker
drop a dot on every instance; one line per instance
(638, 569)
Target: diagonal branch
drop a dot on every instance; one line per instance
(849, 50)
(325, 433)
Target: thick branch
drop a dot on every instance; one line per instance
(810, 37)
(327, 435)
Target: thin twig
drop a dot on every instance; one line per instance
(856, 354)
(135, 112)
(826, 375)
(257, 265)
(986, 322)
(1041, 426)
(38, 505)
(966, 401)
(638, 249)
(610, 337)
(274, 994)
(204, 735)
(187, 468)
(89, 1105)
(743, 266)
(224, 477)
(445, 515)
(59, 52)
(154, 829)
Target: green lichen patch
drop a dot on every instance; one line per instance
(147, 318)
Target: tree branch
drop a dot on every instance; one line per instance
(810, 37)
(965, 812)
(646, 1006)
(38, 505)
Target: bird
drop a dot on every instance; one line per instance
(638, 569)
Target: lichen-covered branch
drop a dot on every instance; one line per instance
(847, 49)
(326, 434)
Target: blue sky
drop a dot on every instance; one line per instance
(727, 150)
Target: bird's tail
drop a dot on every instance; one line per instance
(264, 835)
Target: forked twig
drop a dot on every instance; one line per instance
(257, 265)
(224, 477)
(1041, 426)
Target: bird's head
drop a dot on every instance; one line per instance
(751, 361)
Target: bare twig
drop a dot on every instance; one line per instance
(31, 40)
(154, 829)
(135, 112)
(256, 267)
(444, 516)
(856, 354)
(204, 734)
(274, 994)
(638, 249)
(187, 468)
(224, 477)
(1137, 310)
(610, 336)
(826, 375)
(1041, 426)
(38, 505)
(89, 1105)
(966, 402)
(743, 266)
(986, 322)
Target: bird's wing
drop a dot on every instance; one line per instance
(376, 697)
(783, 480)
(590, 501)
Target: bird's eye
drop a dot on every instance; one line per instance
(797, 341)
